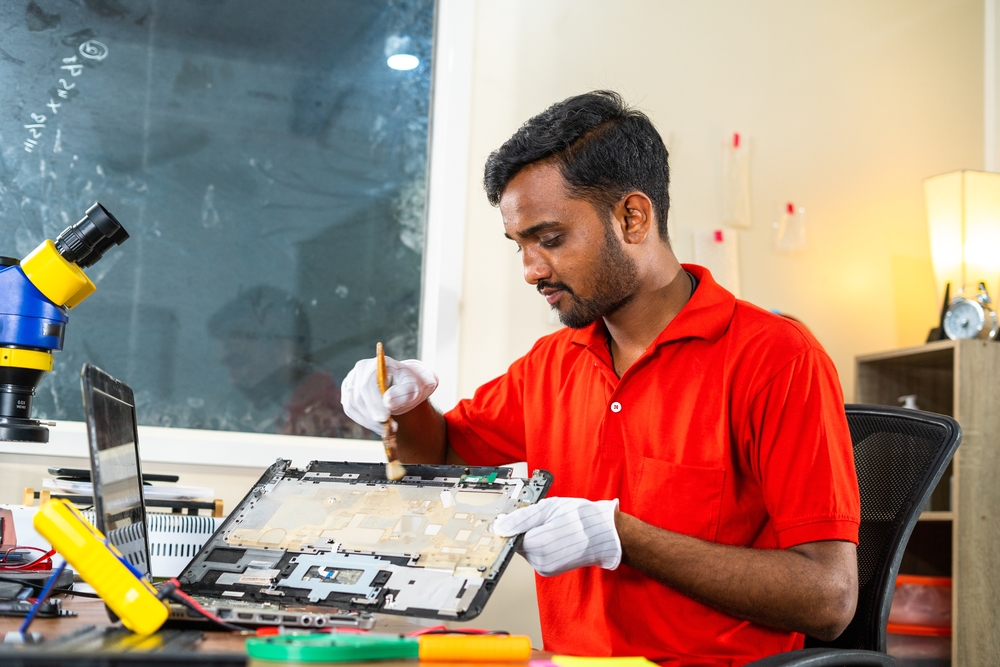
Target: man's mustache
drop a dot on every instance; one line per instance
(548, 284)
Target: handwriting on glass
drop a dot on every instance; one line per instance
(90, 50)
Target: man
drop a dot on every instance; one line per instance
(705, 507)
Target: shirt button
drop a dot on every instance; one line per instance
(616, 407)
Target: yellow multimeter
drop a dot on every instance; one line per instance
(131, 598)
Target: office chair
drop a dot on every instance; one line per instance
(899, 456)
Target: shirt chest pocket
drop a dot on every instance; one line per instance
(680, 498)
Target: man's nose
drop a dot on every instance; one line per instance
(535, 269)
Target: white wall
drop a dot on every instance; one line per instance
(847, 106)
(991, 85)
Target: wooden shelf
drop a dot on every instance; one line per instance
(911, 355)
(960, 536)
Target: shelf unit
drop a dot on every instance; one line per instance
(959, 534)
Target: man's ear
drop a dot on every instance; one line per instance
(634, 214)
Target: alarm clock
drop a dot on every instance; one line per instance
(971, 318)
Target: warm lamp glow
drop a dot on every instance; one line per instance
(963, 216)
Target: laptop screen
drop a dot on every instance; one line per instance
(109, 406)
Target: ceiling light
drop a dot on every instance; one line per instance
(403, 61)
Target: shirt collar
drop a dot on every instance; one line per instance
(706, 315)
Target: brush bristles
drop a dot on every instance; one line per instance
(394, 470)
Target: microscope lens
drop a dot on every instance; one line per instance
(85, 242)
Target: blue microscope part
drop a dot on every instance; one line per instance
(27, 318)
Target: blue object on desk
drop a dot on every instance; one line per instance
(42, 597)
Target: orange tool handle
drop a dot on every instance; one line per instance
(475, 648)
(383, 382)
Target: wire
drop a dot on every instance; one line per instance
(41, 598)
(172, 590)
(125, 561)
(16, 547)
(43, 562)
(6, 554)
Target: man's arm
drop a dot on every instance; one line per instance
(422, 437)
(810, 588)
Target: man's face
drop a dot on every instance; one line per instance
(572, 254)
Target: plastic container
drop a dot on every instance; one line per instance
(919, 651)
(920, 622)
(920, 601)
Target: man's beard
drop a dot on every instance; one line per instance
(614, 284)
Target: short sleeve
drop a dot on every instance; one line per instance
(799, 446)
(489, 429)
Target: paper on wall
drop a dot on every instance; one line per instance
(717, 250)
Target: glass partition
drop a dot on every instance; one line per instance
(269, 161)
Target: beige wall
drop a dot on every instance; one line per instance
(847, 106)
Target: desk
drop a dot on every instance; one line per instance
(217, 647)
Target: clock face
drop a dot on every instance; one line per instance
(964, 319)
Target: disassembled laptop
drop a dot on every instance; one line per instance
(341, 534)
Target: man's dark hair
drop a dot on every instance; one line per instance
(604, 150)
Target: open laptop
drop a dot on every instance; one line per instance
(119, 504)
(327, 545)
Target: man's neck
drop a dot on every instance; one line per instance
(637, 324)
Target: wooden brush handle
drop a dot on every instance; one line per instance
(383, 382)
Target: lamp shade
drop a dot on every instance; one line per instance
(963, 218)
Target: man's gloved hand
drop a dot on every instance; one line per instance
(561, 534)
(410, 383)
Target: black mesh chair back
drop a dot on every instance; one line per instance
(900, 455)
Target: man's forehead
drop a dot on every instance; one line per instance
(538, 194)
(543, 179)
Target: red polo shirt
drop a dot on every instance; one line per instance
(730, 428)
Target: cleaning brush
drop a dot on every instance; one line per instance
(393, 469)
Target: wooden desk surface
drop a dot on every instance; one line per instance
(91, 612)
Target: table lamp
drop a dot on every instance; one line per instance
(963, 218)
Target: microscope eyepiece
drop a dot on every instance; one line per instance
(86, 242)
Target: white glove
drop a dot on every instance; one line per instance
(410, 383)
(561, 534)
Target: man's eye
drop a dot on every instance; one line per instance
(550, 241)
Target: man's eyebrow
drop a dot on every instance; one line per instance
(533, 230)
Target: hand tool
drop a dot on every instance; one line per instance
(393, 469)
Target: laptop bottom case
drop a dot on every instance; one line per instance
(340, 536)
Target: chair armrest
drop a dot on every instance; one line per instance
(826, 657)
